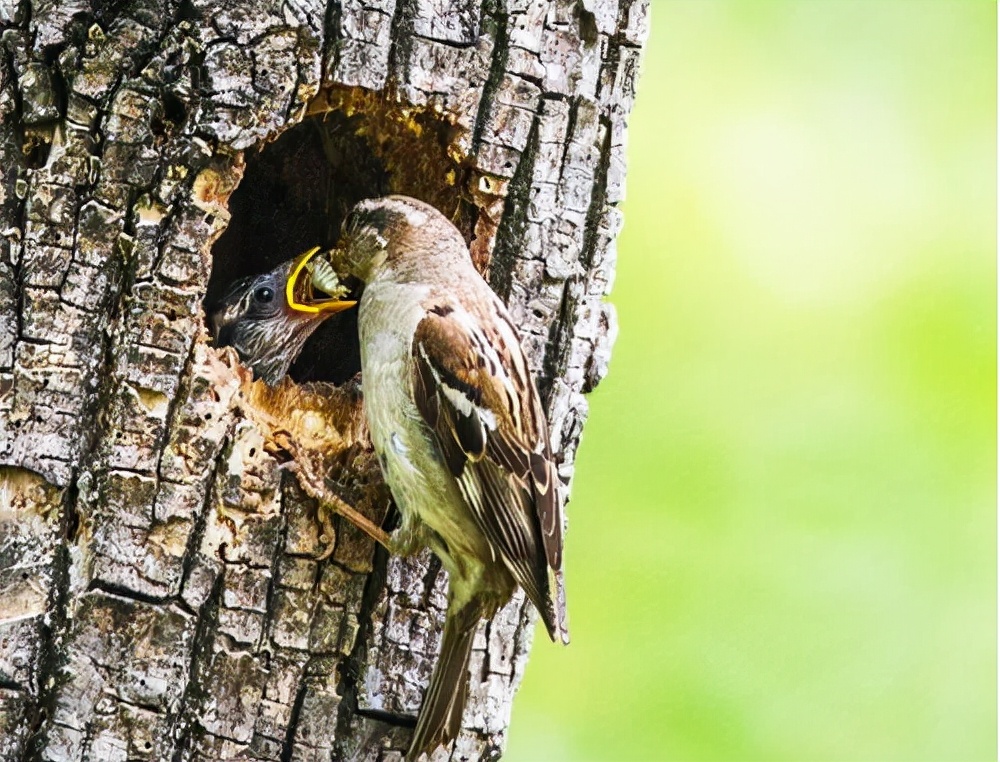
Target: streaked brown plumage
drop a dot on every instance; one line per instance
(458, 426)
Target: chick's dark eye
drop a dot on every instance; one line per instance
(264, 294)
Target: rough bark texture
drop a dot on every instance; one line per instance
(163, 590)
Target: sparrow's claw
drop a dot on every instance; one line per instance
(357, 518)
(315, 486)
(328, 535)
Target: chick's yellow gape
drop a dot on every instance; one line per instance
(322, 277)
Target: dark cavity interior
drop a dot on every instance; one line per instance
(297, 190)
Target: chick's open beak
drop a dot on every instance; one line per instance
(306, 277)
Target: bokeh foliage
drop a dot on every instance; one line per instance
(783, 528)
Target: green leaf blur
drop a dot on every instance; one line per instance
(782, 538)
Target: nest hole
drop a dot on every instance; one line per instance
(296, 191)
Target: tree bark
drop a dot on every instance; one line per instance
(165, 589)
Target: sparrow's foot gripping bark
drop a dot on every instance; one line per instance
(330, 503)
(314, 485)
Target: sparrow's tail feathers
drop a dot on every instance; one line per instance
(441, 713)
(555, 619)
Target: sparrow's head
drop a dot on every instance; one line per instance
(256, 319)
(381, 233)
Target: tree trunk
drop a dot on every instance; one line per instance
(165, 592)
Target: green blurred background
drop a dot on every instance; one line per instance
(783, 533)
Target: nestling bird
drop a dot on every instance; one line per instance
(256, 319)
(268, 318)
(458, 428)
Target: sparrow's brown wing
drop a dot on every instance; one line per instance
(472, 386)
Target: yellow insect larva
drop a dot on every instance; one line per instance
(324, 278)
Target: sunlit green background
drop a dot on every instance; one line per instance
(783, 528)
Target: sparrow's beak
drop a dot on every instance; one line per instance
(301, 296)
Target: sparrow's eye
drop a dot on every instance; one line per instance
(264, 294)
